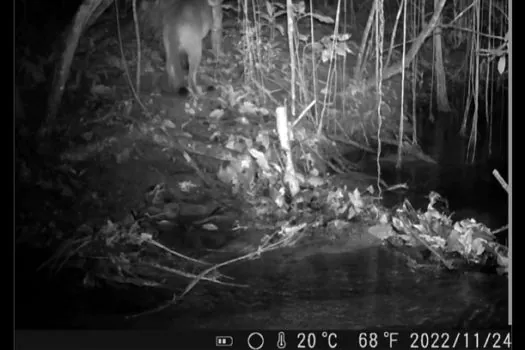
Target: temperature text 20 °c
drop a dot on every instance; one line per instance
(309, 340)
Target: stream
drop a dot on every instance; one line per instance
(354, 283)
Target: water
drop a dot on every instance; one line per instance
(370, 287)
(297, 288)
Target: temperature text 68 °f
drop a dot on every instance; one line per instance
(313, 340)
(380, 340)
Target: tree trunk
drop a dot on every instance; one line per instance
(441, 77)
(87, 13)
(216, 32)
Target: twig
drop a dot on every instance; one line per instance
(191, 275)
(156, 309)
(195, 167)
(208, 270)
(190, 286)
(397, 186)
(435, 252)
(161, 246)
(125, 65)
(139, 51)
(303, 113)
(501, 229)
(134, 281)
(53, 260)
(502, 182)
(261, 249)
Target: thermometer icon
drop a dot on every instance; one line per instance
(281, 343)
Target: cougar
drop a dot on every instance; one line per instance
(185, 25)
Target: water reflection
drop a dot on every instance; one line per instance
(363, 289)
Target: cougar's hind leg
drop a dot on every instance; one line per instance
(194, 60)
(173, 64)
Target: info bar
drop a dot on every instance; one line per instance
(263, 340)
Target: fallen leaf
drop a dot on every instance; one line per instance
(210, 227)
(217, 114)
(146, 236)
(381, 231)
(453, 243)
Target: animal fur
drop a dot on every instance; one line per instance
(185, 25)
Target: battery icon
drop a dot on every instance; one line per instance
(223, 341)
